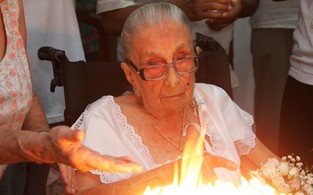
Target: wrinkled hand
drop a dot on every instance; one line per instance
(210, 162)
(67, 149)
(68, 178)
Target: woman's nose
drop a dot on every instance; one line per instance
(172, 77)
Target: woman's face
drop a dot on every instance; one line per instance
(163, 43)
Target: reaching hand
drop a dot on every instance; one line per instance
(67, 149)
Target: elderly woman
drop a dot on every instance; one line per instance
(150, 124)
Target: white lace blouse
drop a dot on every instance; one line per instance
(228, 127)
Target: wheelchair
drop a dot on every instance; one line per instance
(85, 82)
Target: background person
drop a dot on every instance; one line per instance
(272, 26)
(296, 128)
(20, 110)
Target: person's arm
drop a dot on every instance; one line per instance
(258, 155)
(61, 144)
(35, 119)
(90, 184)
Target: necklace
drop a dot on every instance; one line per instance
(180, 146)
(194, 106)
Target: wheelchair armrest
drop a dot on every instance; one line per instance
(51, 54)
(55, 56)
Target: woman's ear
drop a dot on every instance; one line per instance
(128, 72)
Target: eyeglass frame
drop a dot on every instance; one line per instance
(140, 71)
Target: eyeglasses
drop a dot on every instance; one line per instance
(158, 70)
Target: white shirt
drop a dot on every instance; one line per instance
(270, 14)
(228, 127)
(302, 53)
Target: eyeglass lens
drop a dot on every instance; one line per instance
(182, 66)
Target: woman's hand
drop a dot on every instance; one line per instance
(68, 178)
(210, 162)
(194, 147)
(64, 146)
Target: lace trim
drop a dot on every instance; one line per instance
(131, 135)
(245, 146)
(80, 120)
(215, 139)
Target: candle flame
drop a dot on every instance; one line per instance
(188, 180)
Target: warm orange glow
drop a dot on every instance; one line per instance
(190, 181)
(253, 187)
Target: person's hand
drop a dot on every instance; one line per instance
(217, 23)
(203, 9)
(210, 162)
(194, 146)
(64, 146)
(68, 178)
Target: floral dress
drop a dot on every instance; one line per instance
(15, 81)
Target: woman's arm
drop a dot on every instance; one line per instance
(162, 176)
(36, 118)
(89, 184)
(60, 144)
(258, 155)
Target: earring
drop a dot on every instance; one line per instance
(136, 92)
